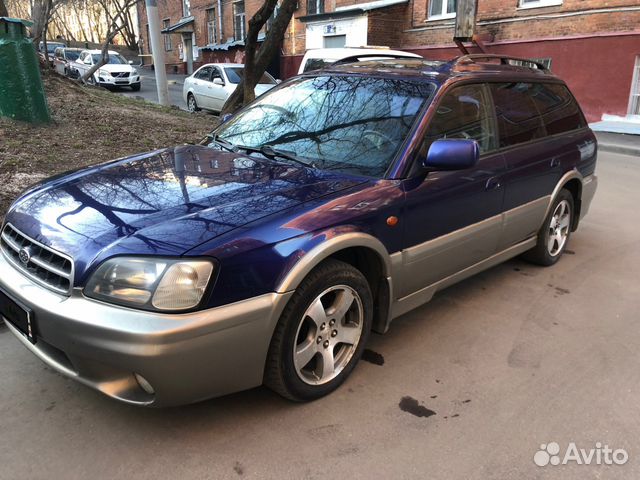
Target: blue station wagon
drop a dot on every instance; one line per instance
(335, 202)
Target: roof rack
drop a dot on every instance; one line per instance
(504, 60)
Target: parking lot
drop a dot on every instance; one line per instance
(468, 386)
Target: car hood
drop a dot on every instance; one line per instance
(164, 202)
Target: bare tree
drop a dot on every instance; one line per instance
(117, 24)
(3, 9)
(257, 60)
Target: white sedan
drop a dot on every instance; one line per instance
(209, 87)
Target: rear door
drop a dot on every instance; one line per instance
(453, 219)
(536, 151)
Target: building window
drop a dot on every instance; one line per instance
(168, 46)
(442, 9)
(211, 26)
(539, 3)
(148, 39)
(238, 21)
(186, 8)
(315, 7)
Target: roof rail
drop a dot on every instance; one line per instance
(504, 60)
(369, 56)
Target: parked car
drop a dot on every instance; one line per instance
(117, 72)
(330, 205)
(318, 58)
(51, 48)
(209, 87)
(63, 58)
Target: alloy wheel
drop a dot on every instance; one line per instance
(558, 231)
(328, 335)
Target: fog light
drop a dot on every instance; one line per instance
(144, 384)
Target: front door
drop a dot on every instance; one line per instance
(453, 219)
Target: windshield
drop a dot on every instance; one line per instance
(114, 58)
(51, 47)
(72, 54)
(350, 124)
(234, 74)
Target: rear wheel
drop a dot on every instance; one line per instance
(321, 333)
(555, 232)
(192, 106)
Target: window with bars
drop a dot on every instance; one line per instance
(315, 6)
(442, 9)
(168, 46)
(239, 21)
(211, 26)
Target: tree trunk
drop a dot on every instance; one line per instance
(3, 9)
(256, 61)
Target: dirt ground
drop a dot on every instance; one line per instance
(90, 125)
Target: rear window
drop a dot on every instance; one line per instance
(517, 113)
(559, 110)
(316, 64)
(234, 74)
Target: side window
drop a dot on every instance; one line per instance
(559, 110)
(464, 112)
(518, 118)
(216, 74)
(204, 73)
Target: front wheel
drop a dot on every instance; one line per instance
(321, 333)
(555, 232)
(135, 87)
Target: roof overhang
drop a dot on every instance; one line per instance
(184, 25)
(350, 11)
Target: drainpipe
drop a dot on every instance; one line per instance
(220, 20)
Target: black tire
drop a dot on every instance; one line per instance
(135, 87)
(192, 108)
(281, 374)
(543, 253)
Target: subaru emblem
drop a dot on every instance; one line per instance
(24, 256)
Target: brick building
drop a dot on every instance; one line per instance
(593, 44)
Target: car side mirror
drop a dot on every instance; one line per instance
(130, 62)
(452, 154)
(278, 81)
(218, 81)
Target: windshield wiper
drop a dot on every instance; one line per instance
(270, 152)
(212, 138)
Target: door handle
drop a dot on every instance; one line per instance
(555, 162)
(492, 184)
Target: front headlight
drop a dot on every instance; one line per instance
(151, 284)
(134, 72)
(104, 73)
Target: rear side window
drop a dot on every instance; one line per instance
(464, 112)
(517, 113)
(559, 110)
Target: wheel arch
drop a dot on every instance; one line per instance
(571, 181)
(364, 252)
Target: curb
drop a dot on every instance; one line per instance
(625, 144)
(623, 149)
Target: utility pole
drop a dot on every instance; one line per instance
(157, 52)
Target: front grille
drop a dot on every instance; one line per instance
(120, 74)
(42, 264)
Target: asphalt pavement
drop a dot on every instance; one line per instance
(149, 90)
(469, 386)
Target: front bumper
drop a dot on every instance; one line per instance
(108, 80)
(185, 357)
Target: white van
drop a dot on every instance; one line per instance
(321, 57)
